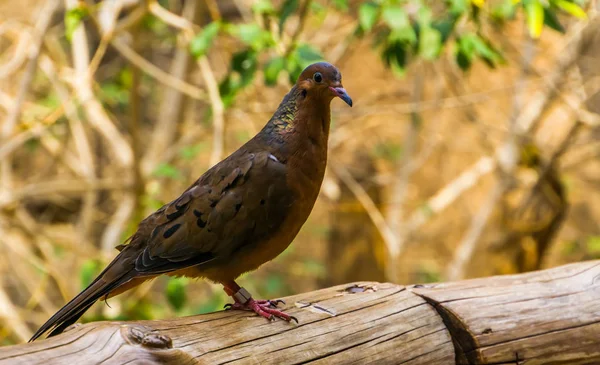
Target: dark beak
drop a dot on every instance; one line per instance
(342, 94)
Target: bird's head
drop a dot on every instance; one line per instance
(322, 81)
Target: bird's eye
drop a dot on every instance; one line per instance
(318, 77)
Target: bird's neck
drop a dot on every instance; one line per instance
(299, 122)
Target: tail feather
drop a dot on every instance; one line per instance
(74, 309)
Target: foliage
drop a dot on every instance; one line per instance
(408, 30)
(404, 30)
(73, 17)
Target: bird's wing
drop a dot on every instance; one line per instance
(239, 200)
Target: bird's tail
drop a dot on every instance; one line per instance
(111, 278)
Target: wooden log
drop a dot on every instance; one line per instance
(544, 317)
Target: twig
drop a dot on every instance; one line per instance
(82, 144)
(524, 122)
(467, 245)
(303, 15)
(365, 200)
(71, 186)
(47, 11)
(213, 9)
(395, 213)
(112, 234)
(9, 312)
(171, 107)
(135, 127)
(132, 19)
(160, 75)
(450, 192)
(95, 113)
(217, 108)
(507, 160)
(23, 43)
(182, 23)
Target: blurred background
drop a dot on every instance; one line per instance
(472, 148)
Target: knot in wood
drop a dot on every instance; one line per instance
(148, 337)
(157, 341)
(360, 289)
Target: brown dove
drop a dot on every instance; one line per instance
(238, 215)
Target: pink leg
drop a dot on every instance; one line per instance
(244, 301)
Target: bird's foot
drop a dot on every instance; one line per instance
(264, 308)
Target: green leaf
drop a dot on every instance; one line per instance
(51, 100)
(73, 18)
(293, 68)
(228, 88)
(274, 285)
(249, 33)
(114, 94)
(552, 21)
(459, 7)
(175, 292)
(308, 54)
(367, 15)
(190, 152)
(245, 63)
(570, 8)
(471, 45)
(485, 51)
(341, 5)
(213, 303)
(428, 274)
(426, 209)
(403, 35)
(203, 40)
(315, 268)
(252, 35)
(463, 58)
(166, 170)
(263, 7)
(569, 248)
(430, 43)
(424, 15)
(88, 272)
(301, 57)
(272, 70)
(395, 17)
(535, 17)
(504, 11)
(242, 136)
(593, 244)
(318, 9)
(395, 56)
(287, 8)
(466, 44)
(32, 145)
(389, 151)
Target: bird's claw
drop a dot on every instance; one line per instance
(264, 308)
(272, 303)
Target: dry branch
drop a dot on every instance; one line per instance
(170, 112)
(537, 318)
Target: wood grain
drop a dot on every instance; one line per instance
(372, 323)
(544, 317)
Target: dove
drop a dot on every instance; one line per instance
(240, 214)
